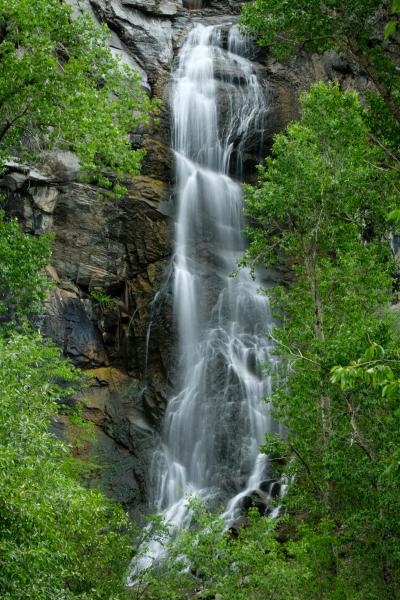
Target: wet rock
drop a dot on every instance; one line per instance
(193, 4)
(269, 485)
(254, 499)
(69, 321)
(334, 62)
(124, 439)
(126, 449)
(225, 7)
(229, 71)
(275, 490)
(238, 525)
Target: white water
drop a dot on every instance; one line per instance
(215, 424)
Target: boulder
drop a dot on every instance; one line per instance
(156, 7)
(254, 499)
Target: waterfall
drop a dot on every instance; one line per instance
(215, 423)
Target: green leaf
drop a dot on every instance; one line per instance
(395, 6)
(389, 29)
(394, 217)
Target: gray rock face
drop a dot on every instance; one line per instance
(95, 248)
(71, 321)
(159, 7)
(125, 437)
(148, 39)
(120, 248)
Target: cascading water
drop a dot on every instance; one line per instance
(214, 425)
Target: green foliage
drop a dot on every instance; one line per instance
(393, 218)
(393, 25)
(86, 428)
(319, 26)
(372, 370)
(22, 260)
(209, 562)
(320, 210)
(377, 371)
(259, 562)
(57, 539)
(324, 183)
(61, 86)
(287, 25)
(105, 300)
(389, 29)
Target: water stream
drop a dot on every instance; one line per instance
(215, 423)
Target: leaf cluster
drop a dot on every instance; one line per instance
(61, 86)
(23, 284)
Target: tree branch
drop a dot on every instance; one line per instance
(358, 438)
(8, 124)
(298, 354)
(316, 487)
(386, 150)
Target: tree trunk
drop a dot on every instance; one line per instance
(324, 400)
(310, 264)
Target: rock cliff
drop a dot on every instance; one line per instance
(110, 307)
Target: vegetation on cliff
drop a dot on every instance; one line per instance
(352, 27)
(60, 86)
(327, 207)
(57, 539)
(322, 207)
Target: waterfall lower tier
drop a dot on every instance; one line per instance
(215, 423)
